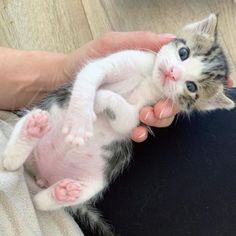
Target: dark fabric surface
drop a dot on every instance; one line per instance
(182, 182)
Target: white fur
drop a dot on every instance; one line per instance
(18, 142)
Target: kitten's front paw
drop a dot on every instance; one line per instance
(79, 128)
(126, 120)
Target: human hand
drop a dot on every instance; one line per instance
(112, 42)
(162, 114)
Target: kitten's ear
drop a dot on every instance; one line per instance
(204, 27)
(219, 101)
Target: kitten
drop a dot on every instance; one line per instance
(77, 140)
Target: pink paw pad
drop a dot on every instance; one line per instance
(67, 190)
(37, 124)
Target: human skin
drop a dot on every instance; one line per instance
(27, 76)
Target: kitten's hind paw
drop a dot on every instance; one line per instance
(29, 129)
(36, 124)
(64, 193)
(67, 190)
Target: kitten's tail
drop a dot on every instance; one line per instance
(91, 221)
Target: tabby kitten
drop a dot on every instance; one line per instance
(77, 140)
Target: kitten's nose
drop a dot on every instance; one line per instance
(173, 73)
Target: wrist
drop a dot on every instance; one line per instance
(27, 76)
(48, 69)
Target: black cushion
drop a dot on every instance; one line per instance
(182, 182)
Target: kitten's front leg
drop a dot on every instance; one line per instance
(78, 123)
(24, 137)
(123, 117)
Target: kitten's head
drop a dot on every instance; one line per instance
(193, 69)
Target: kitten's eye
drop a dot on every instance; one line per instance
(191, 86)
(183, 53)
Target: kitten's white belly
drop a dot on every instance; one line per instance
(56, 160)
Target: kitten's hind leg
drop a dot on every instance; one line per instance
(123, 117)
(66, 192)
(24, 137)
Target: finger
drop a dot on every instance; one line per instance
(162, 115)
(230, 82)
(116, 41)
(161, 123)
(113, 42)
(147, 115)
(139, 134)
(165, 109)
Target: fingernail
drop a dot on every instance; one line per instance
(171, 36)
(166, 112)
(141, 136)
(149, 117)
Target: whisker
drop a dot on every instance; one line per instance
(177, 118)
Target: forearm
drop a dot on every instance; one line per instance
(27, 76)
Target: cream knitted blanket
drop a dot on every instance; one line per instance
(18, 217)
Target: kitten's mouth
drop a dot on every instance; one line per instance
(166, 77)
(170, 73)
(168, 83)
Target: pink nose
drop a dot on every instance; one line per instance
(173, 73)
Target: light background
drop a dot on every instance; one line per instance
(64, 25)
